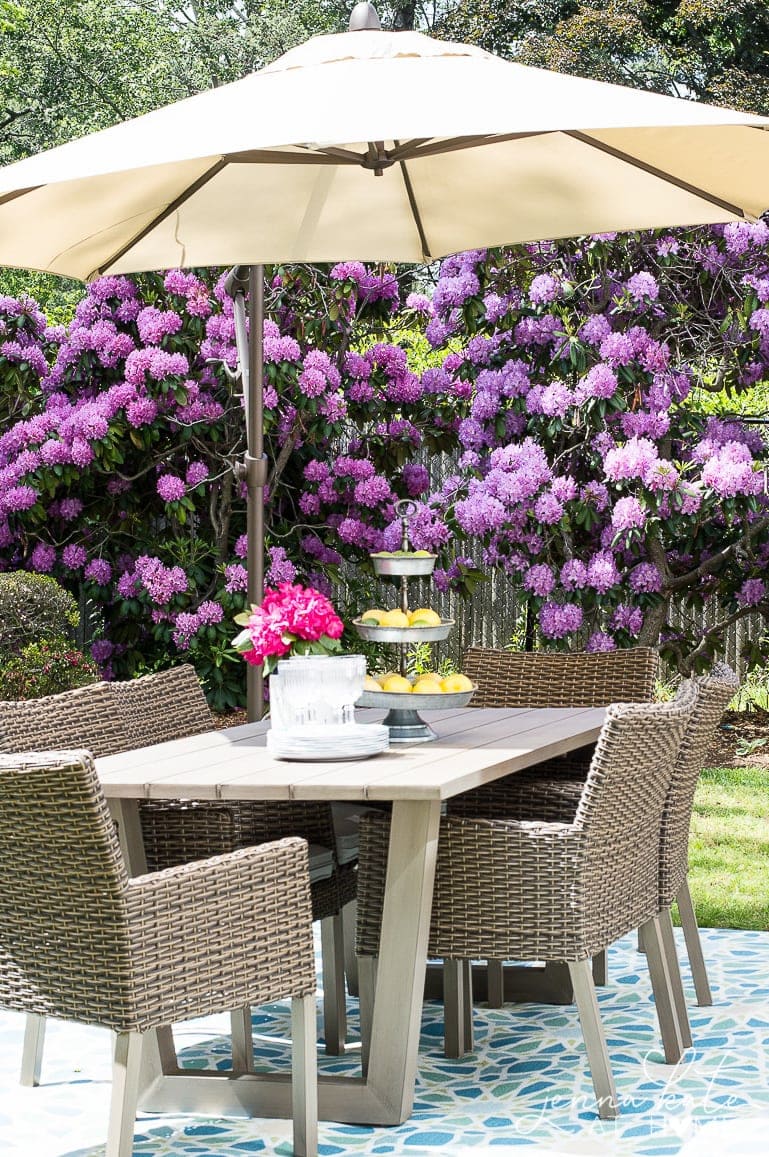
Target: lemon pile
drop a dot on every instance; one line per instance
(422, 617)
(430, 683)
(403, 554)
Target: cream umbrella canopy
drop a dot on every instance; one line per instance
(378, 146)
(372, 145)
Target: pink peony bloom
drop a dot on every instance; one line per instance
(288, 614)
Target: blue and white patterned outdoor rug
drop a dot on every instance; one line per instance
(525, 1087)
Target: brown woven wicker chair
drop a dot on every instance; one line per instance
(111, 717)
(541, 679)
(557, 800)
(52, 722)
(553, 891)
(82, 941)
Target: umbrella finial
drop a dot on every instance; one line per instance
(363, 18)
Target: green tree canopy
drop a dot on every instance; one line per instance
(702, 49)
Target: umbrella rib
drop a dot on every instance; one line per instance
(636, 162)
(415, 210)
(405, 151)
(6, 197)
(276, 157)
(190, 191)
(414, 149)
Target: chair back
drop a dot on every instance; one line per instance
(163, 706)
(63, 890)
(714, 692)
(83, 718)
(545, 679)
(620, 812)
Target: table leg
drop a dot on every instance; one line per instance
(156, 1043)
(403, 955)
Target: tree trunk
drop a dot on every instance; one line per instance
(654, 621)
(404, 16)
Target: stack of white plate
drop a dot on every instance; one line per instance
(331, 742)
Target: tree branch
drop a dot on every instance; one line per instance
(717, 560)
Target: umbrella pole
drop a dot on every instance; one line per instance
(255, 472)
(253, 468)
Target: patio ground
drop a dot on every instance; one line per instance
(524, 1088)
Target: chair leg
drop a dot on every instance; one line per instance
(598, 1061)
(304, 1076)
(167, 1049)
(600, 976)
(495, 983)
(456, 993)
(674, 971)
(663, 994)
(349, 921)
(125, 1094)
(467, 1003)
(334, 999)
(32, 1054)
(242, 1040)
(693, 945)
(366, 987)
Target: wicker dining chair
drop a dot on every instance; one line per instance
(558, 799)
(107, 718)
(507, 889)
(543, 679)
(81, 941)
(528, 679)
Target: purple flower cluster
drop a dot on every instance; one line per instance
(280, 568)
(556, 620)
(627, 514)
(752, 592)
(170, 487)
(643, 286)
(159, 581)
(188, 623)
(318, 374)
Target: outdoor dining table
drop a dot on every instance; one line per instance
(474, 747)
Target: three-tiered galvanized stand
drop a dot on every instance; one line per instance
(403, 719)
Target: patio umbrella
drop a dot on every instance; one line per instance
(374, 145)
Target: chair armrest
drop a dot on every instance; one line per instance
(239, 925)
(520, 880)
(516, 798)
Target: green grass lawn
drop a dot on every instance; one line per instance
(729, 848)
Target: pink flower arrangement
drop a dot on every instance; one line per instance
(292, 620)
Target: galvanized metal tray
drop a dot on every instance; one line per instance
(404, 634)
(403, 564)
(411, 701)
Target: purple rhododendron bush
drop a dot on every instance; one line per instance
(560, 385)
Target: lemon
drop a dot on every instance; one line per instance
(425, 686)
(374, 614)
(394, 618)
(424, 617)
(456, 683)
(422, 554)
(371, 684)
(396, 683)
